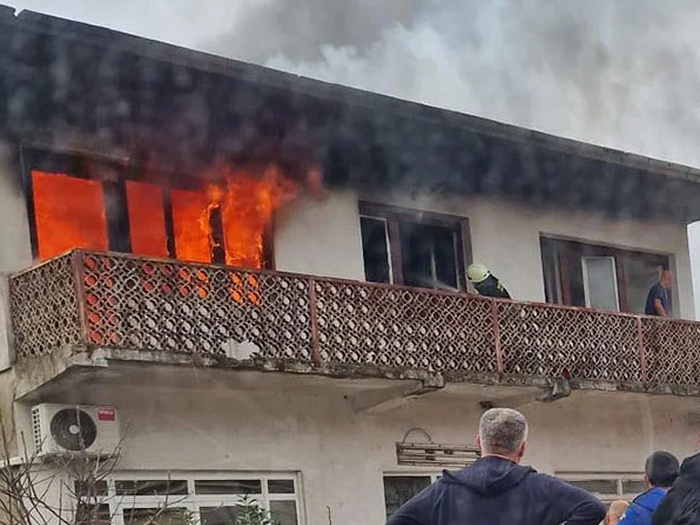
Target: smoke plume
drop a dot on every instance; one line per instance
(623, 73)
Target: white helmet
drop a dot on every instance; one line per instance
(477, 273)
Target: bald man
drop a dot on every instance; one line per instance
(657, 300)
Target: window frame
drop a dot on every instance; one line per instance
(193, 502)
(393, 215)
(568, 247)
(618, 477)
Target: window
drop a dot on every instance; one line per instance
(580, 274)
(413, 248)
(399, 488)
(209, 499)
(75, 202)
(608, 486)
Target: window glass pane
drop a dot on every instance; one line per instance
(280, 486)
(375, 250)
(158, 487)
(428, 256)
(641, 273)
(69, 213)
(228, 486)
(551, 270)
(597, 486)
(633, 486)
(218, 515)
(92, 515)
(399, 489)
(84, 489)
(600, 280)
(445, 249)
(284, 512)
(146, 219)
(170, 516)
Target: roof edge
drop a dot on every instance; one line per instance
(253, 73)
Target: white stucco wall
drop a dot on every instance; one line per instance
(320, 236)
(15, 246)
(694, 248)
(342, 455)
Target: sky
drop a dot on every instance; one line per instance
(620, 73)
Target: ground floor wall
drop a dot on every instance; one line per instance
(341, 455)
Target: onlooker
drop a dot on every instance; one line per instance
(660, 471)
(496, 490)
(681, 506)
(657, 299)
(616, 511)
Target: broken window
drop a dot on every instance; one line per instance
(581, 274)
(413, 248)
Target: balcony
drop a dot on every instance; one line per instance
(158, 310)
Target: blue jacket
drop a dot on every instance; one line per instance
(642, 507)
(495, 491)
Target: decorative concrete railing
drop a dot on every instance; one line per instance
(121, 301)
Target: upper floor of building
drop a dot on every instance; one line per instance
(321, 226)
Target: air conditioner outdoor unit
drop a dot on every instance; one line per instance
(72, 429)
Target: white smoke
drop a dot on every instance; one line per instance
(621, 73)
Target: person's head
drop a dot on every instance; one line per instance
(502, 432)
(661, 469)
(666, 279)
(477, 273)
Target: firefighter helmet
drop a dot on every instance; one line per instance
(477, 273)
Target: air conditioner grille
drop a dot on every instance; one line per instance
(36, 428)
(73, 429)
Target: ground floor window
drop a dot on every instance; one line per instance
(399, 488)
(183, 499)
(607, 486)
(595, 276)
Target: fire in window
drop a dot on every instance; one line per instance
(221, 216)
(411, 248)
(69, 212)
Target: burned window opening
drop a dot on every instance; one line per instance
(419, 249)
(119, 212)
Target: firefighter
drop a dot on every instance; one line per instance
(485, 283)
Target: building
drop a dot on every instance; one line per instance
(346, 365)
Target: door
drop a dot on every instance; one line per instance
(600, 283)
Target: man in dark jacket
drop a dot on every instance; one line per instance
(681, 506)
(660, 471)
(496, 490)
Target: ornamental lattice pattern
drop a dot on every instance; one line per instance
(169, 305)
(397, 327)
(672, 351)
(546, 341)
(129, 302)
(44, 308)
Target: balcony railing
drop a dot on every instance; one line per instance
(90, 299)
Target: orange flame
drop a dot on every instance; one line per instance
(69, 213)
(246, 204)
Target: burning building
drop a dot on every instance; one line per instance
(256, 283)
